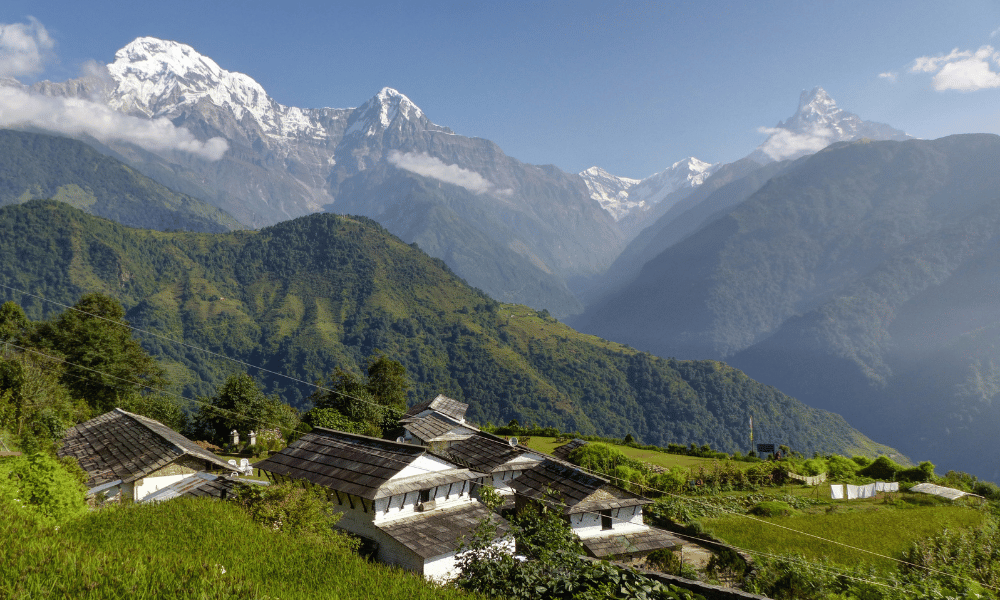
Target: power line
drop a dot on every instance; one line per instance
(637, 484)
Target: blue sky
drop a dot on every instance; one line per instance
(631, 87)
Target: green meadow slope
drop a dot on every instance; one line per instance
(307, 296)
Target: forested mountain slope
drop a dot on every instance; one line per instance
(861, 280)
(34, 165)
(324, 291)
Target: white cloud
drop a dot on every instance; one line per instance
(76, 116)
(995, 33)
(929, 64)
(965, 71)
(24, 48)
(430, 166)
(783, 143)
(889, 75)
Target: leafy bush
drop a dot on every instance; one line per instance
(43, 486)
(882, 468)
(292, 509)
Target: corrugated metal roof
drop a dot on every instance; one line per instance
(126, 446)
(937, 490)
(346, 462)
(441, 531)
(200, 485)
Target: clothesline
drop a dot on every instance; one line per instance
(856, 492)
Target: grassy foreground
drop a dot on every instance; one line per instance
(187, 548)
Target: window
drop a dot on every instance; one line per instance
(425, 496)
(605, 519)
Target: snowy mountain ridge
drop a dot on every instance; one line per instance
(622, 196)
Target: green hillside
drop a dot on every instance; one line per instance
(324, 291)
(33, 165)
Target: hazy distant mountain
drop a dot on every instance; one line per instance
(635, 203)
(816, 124)
(35, 165)
(861, 279)
(520, 230)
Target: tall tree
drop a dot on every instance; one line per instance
(241, 405)
(104, 363)
(371, 405)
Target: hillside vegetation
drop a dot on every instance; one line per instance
(320, 292)
(34, 165)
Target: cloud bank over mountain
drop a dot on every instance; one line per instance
(433, 167)
(24, 50)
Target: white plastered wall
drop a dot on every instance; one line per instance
(148, 485)
(623, 520)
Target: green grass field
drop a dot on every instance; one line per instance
(548, 444)
(878, 529)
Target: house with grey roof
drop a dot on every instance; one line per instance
(437, 423)
(442, 405)
(563, 452)
(503, 460)
(414, 506)
(132, 455)
(607, 519)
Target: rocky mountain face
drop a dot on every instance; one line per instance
(517, 231)
(816, 124)
(860, 279)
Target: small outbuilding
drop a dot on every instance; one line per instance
(607, 519)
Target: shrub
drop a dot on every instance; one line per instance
(881, 468)
(296, 510)
(43, 486)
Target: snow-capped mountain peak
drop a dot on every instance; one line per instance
(158, 77)
(378, 113)
(621, 196)
(816, 124)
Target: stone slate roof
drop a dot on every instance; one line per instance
(577, 490)
(442, 404)
(623, 544)
(432, 427)
(563, 451)
(482, 452)
(441, 531)
(355, 464)
(200, 485)
(121, 445)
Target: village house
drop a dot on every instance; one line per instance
(606, 518)
(132, 455)
(500, 459)
(414, 508)
(437, 423)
